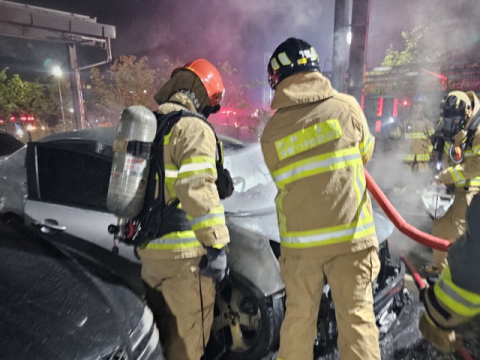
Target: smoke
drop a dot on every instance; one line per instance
(240, 32)
(448, 29)
(403, 187)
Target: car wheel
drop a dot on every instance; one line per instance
(246, 322)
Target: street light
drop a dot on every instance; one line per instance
(57, 72)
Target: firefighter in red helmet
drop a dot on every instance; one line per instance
(176, 289)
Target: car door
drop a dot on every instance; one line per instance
(67, 191)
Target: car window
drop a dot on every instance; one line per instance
(72, 177)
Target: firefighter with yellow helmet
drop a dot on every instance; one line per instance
(460, 130)
(175, 288)
(315, 146)
(414, 144)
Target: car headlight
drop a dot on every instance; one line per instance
(144, 337)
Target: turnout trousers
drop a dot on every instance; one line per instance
(453, 225)
(173, 294)
(350, 278)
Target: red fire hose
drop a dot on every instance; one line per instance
(397, 220)
(413, 233)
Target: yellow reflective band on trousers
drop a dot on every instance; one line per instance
(330, 235)
(214, 217)
(316, 165)
(178, 240)
(197, 165)
(431, 132)
(366, 145)
(416, 135)
(308, 138)
(459, 300)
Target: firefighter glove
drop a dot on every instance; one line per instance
(214, 264)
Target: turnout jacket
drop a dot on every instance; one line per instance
(190, 175)
(315, 146)
(457, 291)
(414, 139)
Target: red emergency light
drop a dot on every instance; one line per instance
(380, 107)
(23, 118)
(406, 102)
(30, 118)
(229, 112)
(12, 119)
(378, 126)
(2, 122)
(395, 108)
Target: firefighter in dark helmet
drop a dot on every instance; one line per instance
(315, 146)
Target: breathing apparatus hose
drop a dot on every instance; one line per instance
(405, 228)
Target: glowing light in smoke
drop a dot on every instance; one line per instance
(19, 132)
(57, 71)
(349, 37)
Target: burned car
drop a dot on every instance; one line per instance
(60, 183)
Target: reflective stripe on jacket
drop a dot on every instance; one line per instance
(459, 300)
(315, 147)
(414, 144)
(190, 175)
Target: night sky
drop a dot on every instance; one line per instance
(240, 31)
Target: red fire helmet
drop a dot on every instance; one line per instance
(210, 77)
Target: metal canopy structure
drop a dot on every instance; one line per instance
(31, 22)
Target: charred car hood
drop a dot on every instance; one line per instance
(52, 308)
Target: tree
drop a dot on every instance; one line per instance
(445, 32)
(38, 98)
(128, 82)
(418, 48)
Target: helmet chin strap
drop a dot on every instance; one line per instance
(209, 109)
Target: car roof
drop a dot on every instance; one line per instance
(106, 135)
